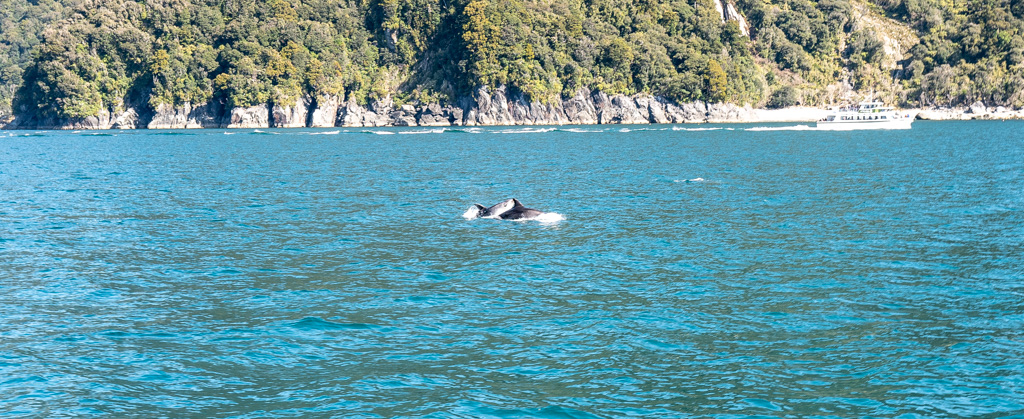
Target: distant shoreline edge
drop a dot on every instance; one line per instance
(485, 108)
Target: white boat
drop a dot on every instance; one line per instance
(867, 115)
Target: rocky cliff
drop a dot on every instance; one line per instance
(485, 107)
(116, 116)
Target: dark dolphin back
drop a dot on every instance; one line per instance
(518, 212)
(500, 208)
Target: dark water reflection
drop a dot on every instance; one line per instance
(292, 273)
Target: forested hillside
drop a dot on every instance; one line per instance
(75, 58)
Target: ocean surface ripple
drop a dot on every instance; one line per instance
(699, 271)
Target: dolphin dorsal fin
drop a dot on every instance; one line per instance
(516, 203)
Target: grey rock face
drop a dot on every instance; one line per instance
(291, 115)
(353, 115)
(350, 115)
(728, 112)
(403, 117)
(186, 116)
(492, 108)
(434, 115)
(326, 113)
(617, 109)
(580, 109)
(499, 106)
(654, 109)
(102, 120)
(129, 119)
(252, 117)
(977, 108)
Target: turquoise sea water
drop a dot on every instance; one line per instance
(699, 271)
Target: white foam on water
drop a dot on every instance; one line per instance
(786, 128)
(697, 129)
(525, 131)
(424, 131)
(694, 180)
(471, 213)
(581, 130)
(326, 133)
(547, 217)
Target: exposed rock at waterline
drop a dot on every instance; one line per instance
(618, 109)
(499, 106)
(977, 108)
(325, 114)
(129, 119)
(434, 115)
(354, 115)
(185, 116)
(104, 119)
(579, 109)
(251, 117)
(492, 108)
(728, 112)
(290, 115)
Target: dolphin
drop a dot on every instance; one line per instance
(509, 209)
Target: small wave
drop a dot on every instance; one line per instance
(579, 130)
(424, 131)
(261, 132)
(228, 133)
(524, 131)
(326, 132)
(697, 129)
(173, 133)
(641, 129)
(694, 180)
(786, 128)
(368, 131)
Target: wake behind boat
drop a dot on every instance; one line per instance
(867, 115)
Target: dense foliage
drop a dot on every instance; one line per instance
(74, 58)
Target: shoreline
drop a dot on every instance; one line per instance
(612, 113)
